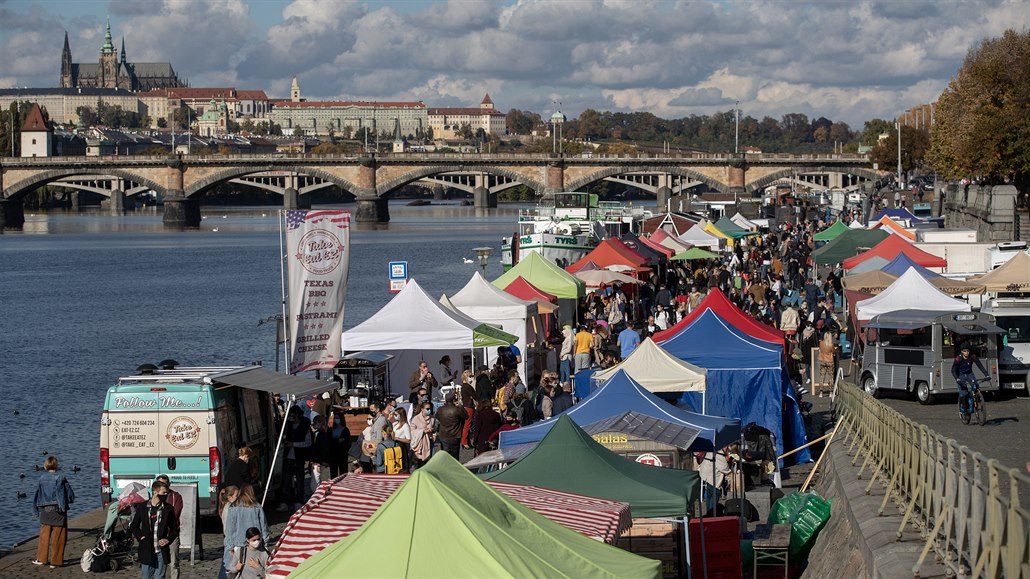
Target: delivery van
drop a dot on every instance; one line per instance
(1013, 316)
(189, 423)
(913, 350)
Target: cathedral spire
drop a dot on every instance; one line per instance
(123, 50)
(66, 63)
(108, 47)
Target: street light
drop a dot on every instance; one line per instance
(483, 253)
(897, 125)
(736, 130)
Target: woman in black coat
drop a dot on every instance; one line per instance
(242, 471)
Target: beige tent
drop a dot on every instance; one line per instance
(870, 282)
(658, 371)
(1012, 276)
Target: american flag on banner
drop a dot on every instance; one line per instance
(318, 260)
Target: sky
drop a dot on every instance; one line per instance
(847, 61)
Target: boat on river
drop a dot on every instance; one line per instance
(567, 228)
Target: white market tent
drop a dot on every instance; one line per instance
(911, 291)
(658, 371)
(698, 237)
(483, 301)
(413, 326)
(744, 222)
(856, 224)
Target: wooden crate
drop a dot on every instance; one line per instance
(660, 540)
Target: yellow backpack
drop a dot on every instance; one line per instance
(392, 459)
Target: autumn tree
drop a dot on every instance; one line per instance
(981, 124)
(914, 145)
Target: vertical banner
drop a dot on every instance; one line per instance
(318, 259)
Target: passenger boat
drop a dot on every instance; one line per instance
(568, 228)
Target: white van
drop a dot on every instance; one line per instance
(1013, 315)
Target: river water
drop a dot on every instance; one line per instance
(86, 298)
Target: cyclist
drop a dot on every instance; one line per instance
(962, 371)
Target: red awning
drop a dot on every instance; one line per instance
(340, 506)
(890, 247)
(522, 289)
(724, 308)
(611, 252)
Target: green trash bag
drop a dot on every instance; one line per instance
(807, 513)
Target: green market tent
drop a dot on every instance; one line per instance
(693, 253)
(847, 245)
(544, 275)
(727, 226)
(444, 522)
(832, 232)
(569, 460)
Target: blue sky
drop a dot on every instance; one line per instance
(845, 60)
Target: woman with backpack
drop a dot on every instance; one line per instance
(53, 497)
(402, 436)
(388, 454)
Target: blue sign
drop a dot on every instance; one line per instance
(398, 270)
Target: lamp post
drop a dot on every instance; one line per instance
(483, 253)
(897, 125)
(736, 127)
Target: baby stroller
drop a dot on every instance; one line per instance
(115, 545)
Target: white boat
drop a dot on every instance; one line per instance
(571, 226)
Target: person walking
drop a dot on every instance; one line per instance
(174, 499)
(252, 561)
(423, 433)
(583, 339)
(242, 470)
(565, 354)
(50, 505)
(297, 443)
(241, 516)
(468, 402)
(154, 527)
(452, 418)
(827, 351)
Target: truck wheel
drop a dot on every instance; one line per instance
(869, 383)
(923, 393)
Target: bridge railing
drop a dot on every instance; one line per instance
(966, 505)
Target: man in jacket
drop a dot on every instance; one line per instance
(174, 499)
(452, 421)
(565, 354)
(560, 400)
(154, 526)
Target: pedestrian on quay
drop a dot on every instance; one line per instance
(451, 417)
(251, 562)
(243, 514)
(243, 470)
(423, 433)
(154, 526)
(174, 499)
(54, 495)
(297, 442)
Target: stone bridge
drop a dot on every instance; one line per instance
(181, 180)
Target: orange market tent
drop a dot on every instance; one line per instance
(888, 224)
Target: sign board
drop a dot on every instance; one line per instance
(650, 459)
(188, 534)
(398, 275)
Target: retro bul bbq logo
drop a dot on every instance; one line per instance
(320, 251)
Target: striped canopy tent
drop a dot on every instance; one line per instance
(893, 245)
(891, 226)
(662, 237)
(831, 232)
(341, 506)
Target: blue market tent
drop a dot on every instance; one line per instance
(903, 263)
(896, 213)
(747, 378)
(623, 394)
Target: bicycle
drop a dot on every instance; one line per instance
(976, 402)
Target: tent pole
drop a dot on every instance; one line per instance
(704, 555)
(686, 547)
(278, 445)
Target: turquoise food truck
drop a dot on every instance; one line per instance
(189, 423)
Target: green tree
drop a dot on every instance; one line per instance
(521, 122)
(465, 131)
(162, 123)
(247, 125)
(182, 117)
(873, 129)
(914, 145)
(981, 124)
(232, 126)
(87, 116)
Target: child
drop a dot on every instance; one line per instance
(249, 562)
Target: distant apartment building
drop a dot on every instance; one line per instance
(323, 117)
(61, 103)
(447, 122)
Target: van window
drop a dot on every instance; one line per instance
(1017, 328)
(981, 345)
(918, 338)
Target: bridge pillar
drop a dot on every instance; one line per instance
(375, 210)
(117, 202)
(12, 214)
(292, 199)
(438, 193)
(735, 177)
(555, 181)
(73, 200)
(664, 194)
(482, 198)
(179, 212)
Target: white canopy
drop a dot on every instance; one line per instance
(856, 224)
(658, 370)
(697, 236)
(487, 303)
(744, 222)
(911, 291)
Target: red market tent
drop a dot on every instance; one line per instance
(667, 251)
(627, 250)
(608, 253)
(340, 506)
(661, 237)
(524, 290)
(890, 247)
(725, 310)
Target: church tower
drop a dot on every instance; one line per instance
(123, 50)
(66, 64)
(108, 61)
(295, 91)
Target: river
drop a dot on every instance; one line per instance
(86, 298)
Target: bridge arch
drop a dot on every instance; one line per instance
(202, 185)
(763, 182)
(388, 188)
(22, 188)
(678, 171)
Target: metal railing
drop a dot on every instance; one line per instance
(964, 504)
